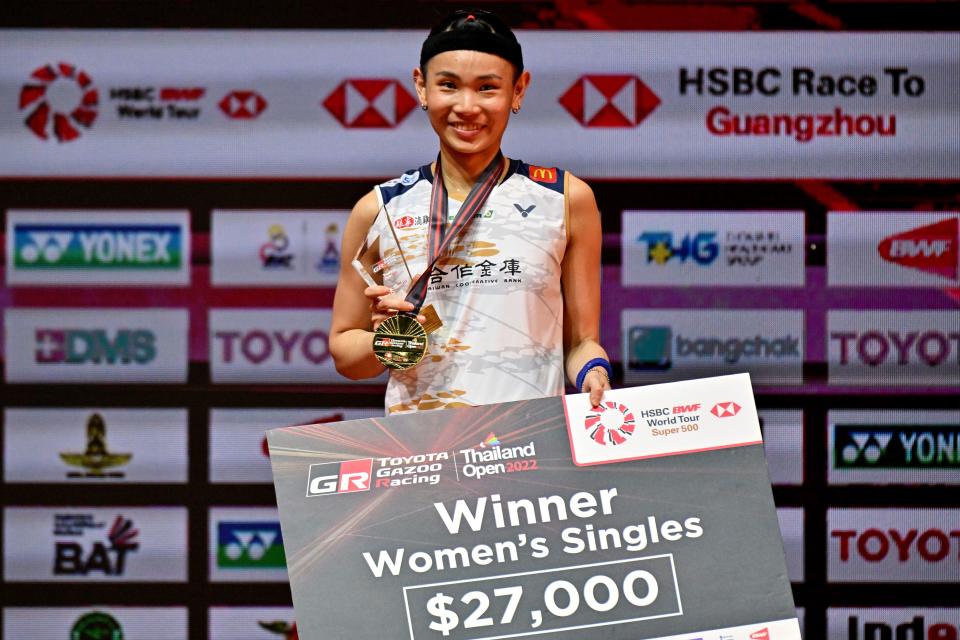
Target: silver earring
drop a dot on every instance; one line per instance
(424, 107)
(515, 109)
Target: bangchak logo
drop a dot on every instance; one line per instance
(99, 247)
(654, 348)
(94, 346)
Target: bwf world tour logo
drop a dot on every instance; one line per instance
(58, 99)
(610, 423)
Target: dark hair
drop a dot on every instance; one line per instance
(475, 30)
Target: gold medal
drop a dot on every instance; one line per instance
(400, 342)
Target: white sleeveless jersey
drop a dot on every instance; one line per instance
(497, 292)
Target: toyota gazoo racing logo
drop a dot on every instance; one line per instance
(369, 103)
(725, 409)
(610, 423)
(242, 105)
(57, 100)
(597, 100)
(330, 478)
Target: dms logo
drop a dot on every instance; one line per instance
(327, 478)
(931, 248)
(94, 346)
(250, 545)
(916, 629)
(78, 246)
(700, 248)
(108, 558)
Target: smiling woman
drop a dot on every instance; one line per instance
(504, 255)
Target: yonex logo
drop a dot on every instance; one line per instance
(866, 446)
(249, 545)
(725, 409)
(369, 103)
(609, 100)
(85, 246)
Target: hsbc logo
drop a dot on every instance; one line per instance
(327, 478)
(370, 103)
(931, 248)
(242, 105)
(725, 410)
(614, 101)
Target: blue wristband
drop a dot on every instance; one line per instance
(596, 362)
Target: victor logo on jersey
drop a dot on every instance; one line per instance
(369, 103)
(601, 100)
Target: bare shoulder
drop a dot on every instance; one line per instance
(580, 195)
(366, 209)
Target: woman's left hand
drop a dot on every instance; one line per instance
(595, 383)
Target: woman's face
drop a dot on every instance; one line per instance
(469, 95)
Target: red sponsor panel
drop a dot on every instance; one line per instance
(369, 103)
(893, 545)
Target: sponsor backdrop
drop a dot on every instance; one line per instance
(783, 204)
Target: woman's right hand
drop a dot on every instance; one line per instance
(385, 303)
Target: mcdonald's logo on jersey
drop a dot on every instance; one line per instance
(546, 175)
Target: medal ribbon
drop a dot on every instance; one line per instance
(441, 235)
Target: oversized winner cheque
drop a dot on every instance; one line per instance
(648, 517)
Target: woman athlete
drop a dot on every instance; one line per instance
(518, 289)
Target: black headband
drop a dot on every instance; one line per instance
(472, 40)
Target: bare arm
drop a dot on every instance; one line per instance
(357, 308)
(581, 289)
